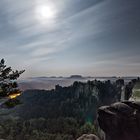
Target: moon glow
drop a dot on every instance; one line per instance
(45, 13)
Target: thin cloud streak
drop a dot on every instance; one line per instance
(82, 35)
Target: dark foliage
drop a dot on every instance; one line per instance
(43, 129)
(8, 85)
(64, 113)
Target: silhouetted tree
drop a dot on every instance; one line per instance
(8, 77)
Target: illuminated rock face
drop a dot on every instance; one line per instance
(136, 92)
(120, 121)
(88, 137)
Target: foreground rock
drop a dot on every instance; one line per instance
(120, 121)
(88, 137)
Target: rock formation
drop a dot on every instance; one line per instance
(88, 137)
(120, 121)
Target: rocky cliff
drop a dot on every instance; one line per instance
(120, 121)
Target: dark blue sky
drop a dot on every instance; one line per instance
(64, 37)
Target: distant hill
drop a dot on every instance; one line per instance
(76, 76)
(49, 83)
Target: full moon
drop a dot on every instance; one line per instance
(45, 13)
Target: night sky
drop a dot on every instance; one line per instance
(65, 37)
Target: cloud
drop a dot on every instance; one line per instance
(82, 33)
(23, 32)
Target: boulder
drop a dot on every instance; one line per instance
(120, 121)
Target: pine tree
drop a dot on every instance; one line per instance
(8, 80)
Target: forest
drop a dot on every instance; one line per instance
(63, 113)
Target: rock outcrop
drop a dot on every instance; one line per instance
(120, 121)
(88, 137)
